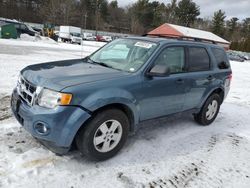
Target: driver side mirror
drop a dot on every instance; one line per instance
(159, 71)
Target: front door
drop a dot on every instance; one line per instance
(165, 95)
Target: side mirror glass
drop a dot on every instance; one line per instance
(159, 71)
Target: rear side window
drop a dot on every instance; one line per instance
(221, 58)
(198, 59)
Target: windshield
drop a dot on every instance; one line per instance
(30, 28)
(76, 34)
(124, 54)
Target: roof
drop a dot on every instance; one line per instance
(175, 31)
(172, 40)
(9, 20)
(3, 23)
(149, 39)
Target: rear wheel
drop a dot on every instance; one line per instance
(209, 111)
(104, 135)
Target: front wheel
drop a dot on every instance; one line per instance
(104, 135)
(209, 111)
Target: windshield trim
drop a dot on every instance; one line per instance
(135, 39)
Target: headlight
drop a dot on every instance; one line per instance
(50, 99)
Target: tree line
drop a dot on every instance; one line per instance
(136, 18)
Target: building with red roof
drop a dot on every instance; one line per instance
(176, 31)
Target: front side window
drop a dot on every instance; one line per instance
(198, 59)
(174, 58)
(124, 54)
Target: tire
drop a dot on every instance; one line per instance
(206, 116)
(95, 143)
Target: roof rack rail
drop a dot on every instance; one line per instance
(183, 38)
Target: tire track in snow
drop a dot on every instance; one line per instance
(199, 173)
(179, 179)
(127, 181)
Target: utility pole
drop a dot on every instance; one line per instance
(85, 20)
(96, 16)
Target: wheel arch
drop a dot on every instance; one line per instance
(133, 119)
(218, 90)
(128, 109)
(124, 108)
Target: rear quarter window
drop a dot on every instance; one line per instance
(198, 59)
(221, 58)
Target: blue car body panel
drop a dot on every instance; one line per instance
(94, 87)
(62, 122)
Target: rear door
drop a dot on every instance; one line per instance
(200, 76)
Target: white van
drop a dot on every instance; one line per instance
(70, 34)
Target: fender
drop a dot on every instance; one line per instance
(110, 96)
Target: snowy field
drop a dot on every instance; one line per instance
(170, 152)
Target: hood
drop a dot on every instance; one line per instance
(61, 74)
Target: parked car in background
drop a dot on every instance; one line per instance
(40, 31)
(245, 55)
(88, 36)
(107, 38)
(99, 38)
(103, 38)
(95, 102)
(21, 27)
(235, 57)
(70, 34)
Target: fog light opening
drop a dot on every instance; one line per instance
(41, 128)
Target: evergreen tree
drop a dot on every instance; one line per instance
(187, 12)
(218, 23)
(232, 28)
(246, 27)
(170, 11)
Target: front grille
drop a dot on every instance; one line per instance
(26, 90)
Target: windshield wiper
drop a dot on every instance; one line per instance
(104, 64)
(89, 60)
(98, 63)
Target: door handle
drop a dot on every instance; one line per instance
(210, 77)
(180, 81)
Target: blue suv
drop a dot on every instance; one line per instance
(95, 102)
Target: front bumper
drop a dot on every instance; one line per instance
(76, 41)
(62, 123)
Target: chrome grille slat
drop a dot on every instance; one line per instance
(26, 90)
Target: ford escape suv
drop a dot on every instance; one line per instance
(95, 102)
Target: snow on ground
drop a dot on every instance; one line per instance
(17, 54)
(169, 152)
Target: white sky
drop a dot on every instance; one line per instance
(233, 8)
